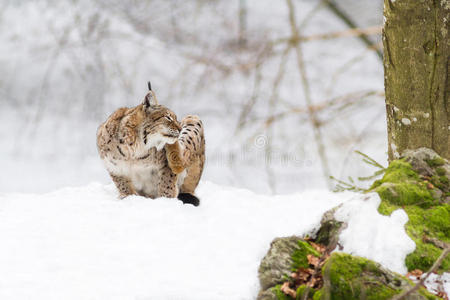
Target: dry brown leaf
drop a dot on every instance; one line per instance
(311, 282)
(312, 260)
(443, 295)
(415, 273)
(318, 247)
(288, 291)
(303, 276)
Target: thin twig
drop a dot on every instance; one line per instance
(312, 116)
(370, 160)
(433, 269)
(346, 99)
(273, 97)
(354, 32)
(252, 101)
(350, 23)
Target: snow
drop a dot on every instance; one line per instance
(374, 236)
(84, 243)
(437, 283)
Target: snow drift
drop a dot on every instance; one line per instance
(84, 243)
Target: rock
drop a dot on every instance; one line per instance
(351, 277)
(285, 255)
(428, 163)
(344, 276)
(419, 159)
(268, 294)
(330, 229)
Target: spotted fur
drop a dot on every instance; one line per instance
(148, 152)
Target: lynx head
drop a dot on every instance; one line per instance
(160, 125)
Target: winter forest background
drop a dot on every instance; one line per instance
(274, 123)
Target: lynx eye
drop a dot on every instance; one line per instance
(169, 118)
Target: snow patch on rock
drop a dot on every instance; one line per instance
(374, 236)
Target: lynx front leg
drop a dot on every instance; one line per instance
(123, 185)
(176, 157)
(167, 185)
(190, 144)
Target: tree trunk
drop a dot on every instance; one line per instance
(416, 39)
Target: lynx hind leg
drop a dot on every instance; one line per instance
(123, 185)
(167, 185)
(192, 138)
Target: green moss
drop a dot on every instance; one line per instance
(405, 193)
(386, 208)
(280, 295)
(440, 171)
(433, 222)
(401, 187)
(318, 295)
(299, 256)
(435, 162)
(351, 277)
(398, 171)
(300, 291)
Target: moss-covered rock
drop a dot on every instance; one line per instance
(351, 277)
(347, 277)
(330, 229)
(419, 184)
(285, 255)
(401, 186)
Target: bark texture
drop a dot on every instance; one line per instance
(416, 39)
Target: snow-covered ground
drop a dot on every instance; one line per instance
(84, 243)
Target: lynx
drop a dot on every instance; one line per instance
(148, 152)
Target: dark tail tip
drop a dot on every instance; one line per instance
(149, 86)
(189, 199)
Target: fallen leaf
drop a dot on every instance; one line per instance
(288, 291)
(318, 247)
(312, 260)
(415, 273)
(303, 275)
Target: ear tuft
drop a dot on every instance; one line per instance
(149, 86)
(150, 100)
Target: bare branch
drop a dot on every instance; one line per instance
(433, 269)
(354, 32)
(312, 116)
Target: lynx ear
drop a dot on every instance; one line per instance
(150, 99)
(149, 86)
